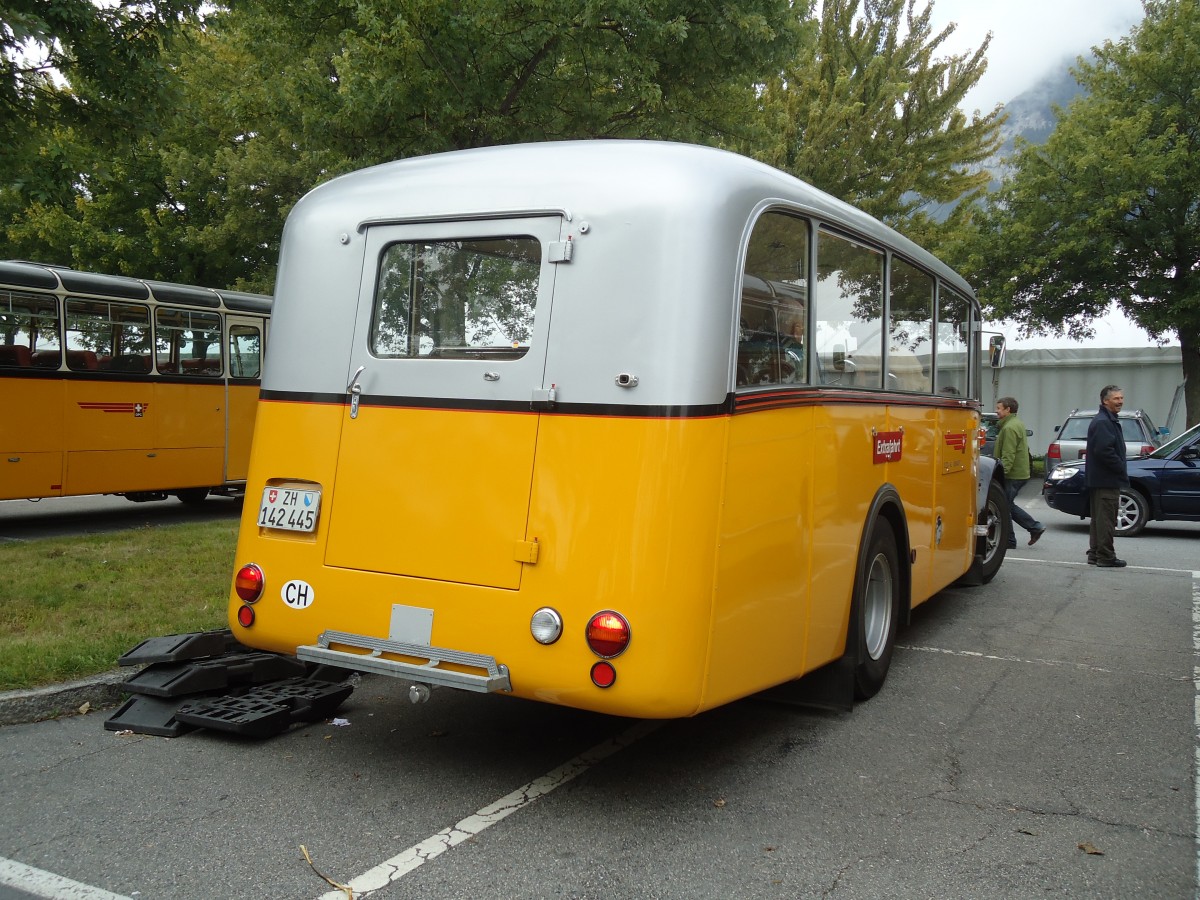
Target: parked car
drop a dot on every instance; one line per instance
(1070, 442)
(1162, 486)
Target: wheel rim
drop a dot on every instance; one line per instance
(1128, 513)
(877, 606)
(991, 540)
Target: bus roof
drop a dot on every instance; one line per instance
(593, 176)
(42, 276)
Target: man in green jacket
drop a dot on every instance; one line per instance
(1012, 450)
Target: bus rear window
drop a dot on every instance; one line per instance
(459, 299)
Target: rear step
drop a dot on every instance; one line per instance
(495, 679)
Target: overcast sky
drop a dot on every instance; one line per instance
(1031, 38)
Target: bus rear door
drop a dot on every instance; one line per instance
(445, 379)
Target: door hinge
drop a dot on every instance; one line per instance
(526, 551)
(560, 251)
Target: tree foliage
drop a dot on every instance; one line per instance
(270, 97)
(870, 113)
(1108, 209)
(107, 52)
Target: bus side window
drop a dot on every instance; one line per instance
(910, 329)
(772, 317)
(28, 330)
(952, 360)
(187, 342)
(117, 333)
(245, 351)
(849, 312)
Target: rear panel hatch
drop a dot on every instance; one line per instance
(446, 374)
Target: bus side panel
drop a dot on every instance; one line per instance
(956, 474)
(99, 471)
(190, 415)
(914, 477)
(111, 415)
(33, 436)
(845, 484)
(241, 405)
(625, 511)
(763, 602)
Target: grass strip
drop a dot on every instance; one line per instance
(71, 606)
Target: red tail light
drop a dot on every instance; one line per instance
(982, 437)
(1145, 450)
(1054, 452)
(249, 582)
(607, 634)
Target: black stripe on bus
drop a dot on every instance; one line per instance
(783, 398)
(757, 401)
(698, 411)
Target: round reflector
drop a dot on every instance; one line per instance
(546, 625)
(249, 582)
(607, 634)
(246, 616)
(603, 674)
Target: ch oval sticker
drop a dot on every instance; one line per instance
(297, 594)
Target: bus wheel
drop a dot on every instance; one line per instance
(192, 496)
(877, 611)
(993, 545)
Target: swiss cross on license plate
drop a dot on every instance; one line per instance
(289, 509)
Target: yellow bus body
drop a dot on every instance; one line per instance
(73, 429)
(749, 528)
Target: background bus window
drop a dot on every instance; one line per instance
(952, 356)
(28, 331)
(118, 333)
(463, 299)
(849, 313)
(910, 328)
(245, 351)
(773, 317)
(187, 342)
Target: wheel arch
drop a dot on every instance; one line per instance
(887, 505)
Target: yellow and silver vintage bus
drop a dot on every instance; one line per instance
(633, 427)
(116, 385)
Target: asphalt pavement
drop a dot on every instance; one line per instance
(1036, 736)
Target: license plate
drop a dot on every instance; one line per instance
(289, 509)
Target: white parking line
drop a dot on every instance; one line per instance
(1057, 663)
(48, 885)
(1196, 676)
(401, 864)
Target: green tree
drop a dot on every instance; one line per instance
(112, 48)
(1107, 211)
(869, 112)
(271, 97)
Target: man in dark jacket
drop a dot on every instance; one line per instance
(1106, 475)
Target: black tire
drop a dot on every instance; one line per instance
(875, 616)
(1132, 513)
(192, 496)
(996, 517)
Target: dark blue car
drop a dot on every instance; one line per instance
(1162, 486)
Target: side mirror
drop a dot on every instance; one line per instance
(839, 358)
(996, 351)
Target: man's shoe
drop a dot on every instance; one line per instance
(1091, 562)
(1035, 536)
(1113, 563)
